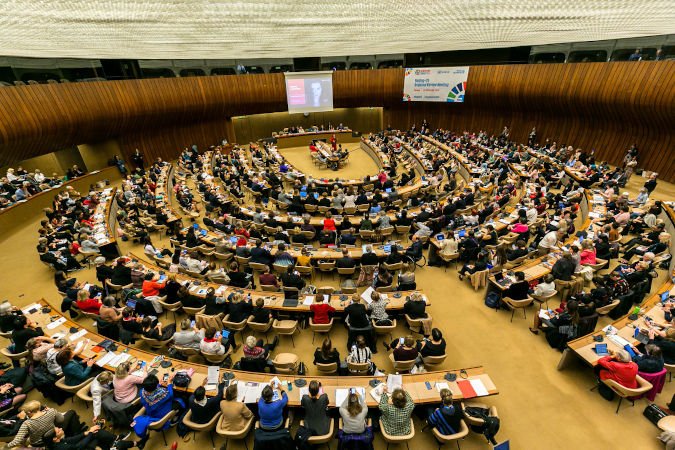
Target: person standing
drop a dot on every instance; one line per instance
(138, 159)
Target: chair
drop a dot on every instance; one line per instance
(433, 361)
(327, 369)
(325, 290)
(257, 267)
(61, 384)
(670, 368)
(384, 288)
(475, 421)
(159, 425)
(214, 358)
(88, 256)
(366, 235)
(323, 439)
(84, 393)
(385, 329)
(242, 261)
(169, 307)
(401, 366)
(156, 344)
(209, 426)
(285, 363)
(257, 327)
(444, 439)
(541, 299)
(286, 328)
(348, 271)
(386, 232)
(479, 279)
(449, 258)
(117, 288)
(389, 439)
(224, 257)
(305, 271)
(326, 267)
(517, 304)
(564, 288)
(358, 368)
(607, 308)
(14, 356)
(402, 230)
(279, 269)
(238, 434)
(320, 327)
(192, 312)
(623, 392)
(414, 324)
(234, 326)
(187, 351)
(269, 288)
(392, 268)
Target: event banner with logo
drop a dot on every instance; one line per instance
(435, 84)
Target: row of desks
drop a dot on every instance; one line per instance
(413, 384)
(274, 300)
(163, 192)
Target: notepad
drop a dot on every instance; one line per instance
(466, 388)
(213, 375)
(105, 359)
(56, 323)
(441, 386)
(78, 335)
(309, 299)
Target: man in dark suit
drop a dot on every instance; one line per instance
(291, 279)
(348, 238)
(346, 262)
(260, 254)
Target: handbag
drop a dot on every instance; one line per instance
(653, 413)
(182, 379)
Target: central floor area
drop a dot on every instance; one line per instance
(359, 164)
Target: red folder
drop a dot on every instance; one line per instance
(466, 388)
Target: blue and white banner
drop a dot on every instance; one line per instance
(435, 84)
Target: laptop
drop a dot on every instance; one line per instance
(601, 349)
(665, 296)
(131, 304)
(502, 446)
(440, 237)
(461, 233)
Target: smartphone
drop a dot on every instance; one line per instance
(165, 378)
(428, 384)
(400, 340)
(290, 386)
(353, 347)
(352, 391)
(192, 324)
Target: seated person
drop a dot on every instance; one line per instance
(188, 337)
(396, 416)
(237, 278)
(546, 287)
(94, 437)
(213, 343)
(360, 353)
(158, 400)
(649, 362)
(204, 408)
(432, 347)
(404, 349)
(157, 331)
(480, 265)
(271, 411)
(519, 289)
(570, 316)
(25, 329)
(378, 311)
(75, 373)
(346, 261)
(353, 412)
(326, 354)
(316, 406)
(235, 414)
(260, 313)
(268, 279)
(415, 307)
(446, 419)
(406, 278)
(618, 366)
(257, 350)
(86, 304)
(321, 310)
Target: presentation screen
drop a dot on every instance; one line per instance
(309, 91)
(435, 84)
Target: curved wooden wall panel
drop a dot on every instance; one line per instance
(604, 106)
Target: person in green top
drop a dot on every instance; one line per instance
(366, 223)
(396, 416)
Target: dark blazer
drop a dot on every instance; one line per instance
(261, 255)
(121, 275)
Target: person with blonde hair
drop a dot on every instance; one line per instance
(99, 386)
(125, 385)
(40, 420)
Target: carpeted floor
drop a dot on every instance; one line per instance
(358, 165)
(539, 406)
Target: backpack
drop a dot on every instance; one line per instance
(182, 379)
(492, 300)
(490, 426)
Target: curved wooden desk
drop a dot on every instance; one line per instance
(414, 384)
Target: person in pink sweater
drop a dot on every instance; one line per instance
(125, 385)
(587, 252)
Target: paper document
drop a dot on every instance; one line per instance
(77, 335)
(252, 392)
(479, 387)
(213, 375)
(341, 395)
(366, 295)
(28, 309)
(309, 299)
(56, 323)
(376, 392)
(394, 382)
(441, 386)
(105, 359)
(241, 391)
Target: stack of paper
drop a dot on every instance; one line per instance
(309, 299)
(367, 294)
(213, 375)
(478, 386)
(56, 323)
(105, 359)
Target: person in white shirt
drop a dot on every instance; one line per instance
(38, 176)
(546, 287)
(98, 388)
(531, 213)
(549, 241)
(211, 343)
(188, 337)
(10, 175)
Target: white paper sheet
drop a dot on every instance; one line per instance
(366, 295)
(252, 392)
(341, 395)
(479, 387)
(77, 335)
(394, 382)
(303, 391)
(213, 375)
(309, 299)
(441, 386)
(105, 359)
(56, 323)
(30, 307)
(375, 392)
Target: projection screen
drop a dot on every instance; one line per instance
(309, 91)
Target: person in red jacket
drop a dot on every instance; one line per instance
(86, 304)
(150, 286)
(321, 310)
(329, 223)
(618, 367)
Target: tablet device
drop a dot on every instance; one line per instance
(195, 226)
(461, 233)
(131, 304)
(601, 349)
(203, 232)
(664, 296)
(388, 190)
(440, 237)
(303, 194)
